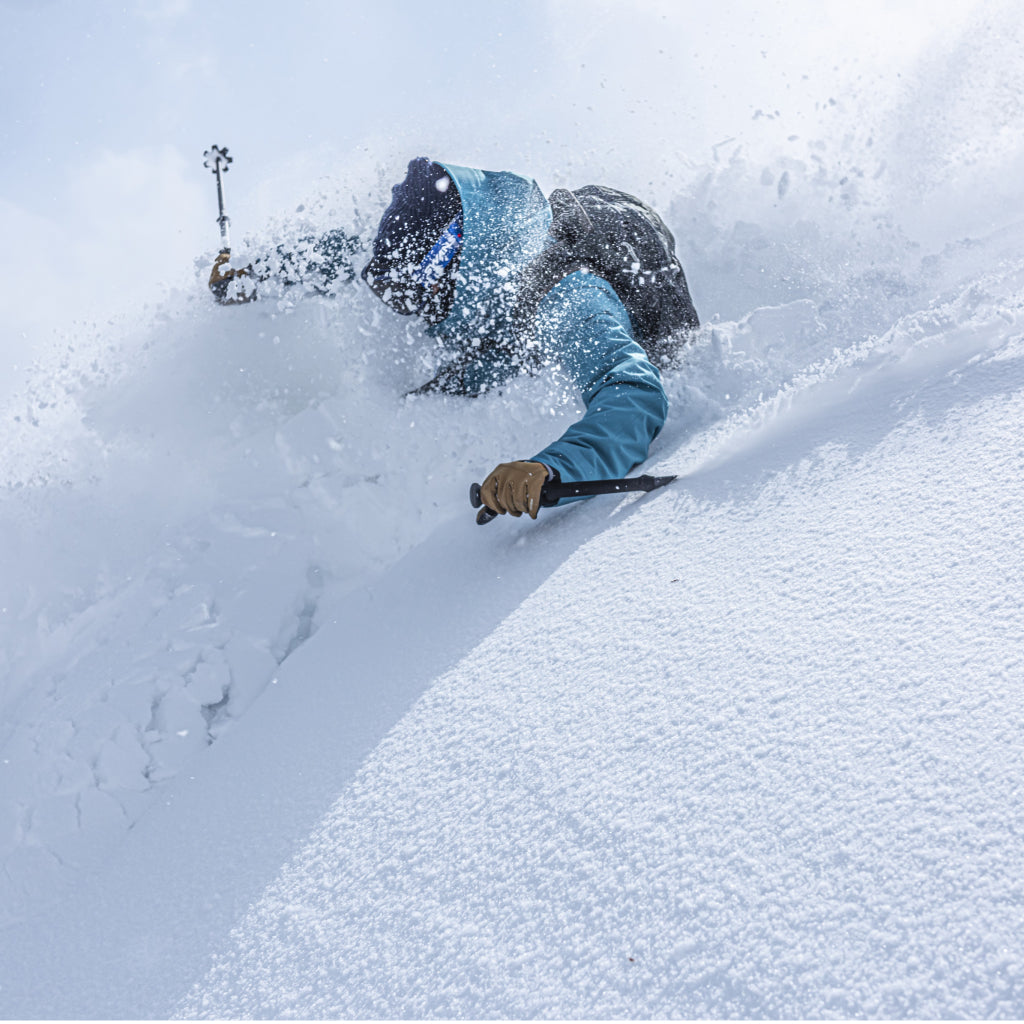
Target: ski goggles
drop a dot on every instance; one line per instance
(433, 266)
(409, 289)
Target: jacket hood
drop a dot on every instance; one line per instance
(505, 219)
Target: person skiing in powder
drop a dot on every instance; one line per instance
(513, 281)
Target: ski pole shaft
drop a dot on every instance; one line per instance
(552, 493)
(217, 160)
(222, 217)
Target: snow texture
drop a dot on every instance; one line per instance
(285, 734)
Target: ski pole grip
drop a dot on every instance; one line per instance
(485, 515)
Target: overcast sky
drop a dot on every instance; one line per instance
(106, 108)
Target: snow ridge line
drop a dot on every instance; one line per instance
(972, 324)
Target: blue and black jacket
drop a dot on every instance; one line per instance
(580, 324)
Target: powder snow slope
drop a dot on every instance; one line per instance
(754, 749)
(747, 746)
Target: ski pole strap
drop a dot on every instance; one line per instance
(553, 492)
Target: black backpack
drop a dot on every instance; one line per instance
(617, 237)
(621, 239)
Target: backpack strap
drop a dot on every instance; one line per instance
(569, 221)
(570, 225)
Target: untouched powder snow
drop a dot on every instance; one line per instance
(285, 734)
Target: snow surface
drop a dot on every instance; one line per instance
(285, 734)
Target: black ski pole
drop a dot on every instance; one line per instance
(552, 493)
(217, 160)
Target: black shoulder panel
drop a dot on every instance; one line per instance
(621, 239)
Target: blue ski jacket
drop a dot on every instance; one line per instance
(581, 325)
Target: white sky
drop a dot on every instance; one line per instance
(106, 108)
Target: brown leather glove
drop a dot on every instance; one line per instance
(514, 487)
(221, 275)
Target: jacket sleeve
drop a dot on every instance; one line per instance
(582, 323)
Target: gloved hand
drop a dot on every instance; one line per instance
(514, 487)
(220, 278)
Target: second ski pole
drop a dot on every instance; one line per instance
(552, 493)
(217, 160)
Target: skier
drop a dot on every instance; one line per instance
(512, 281)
